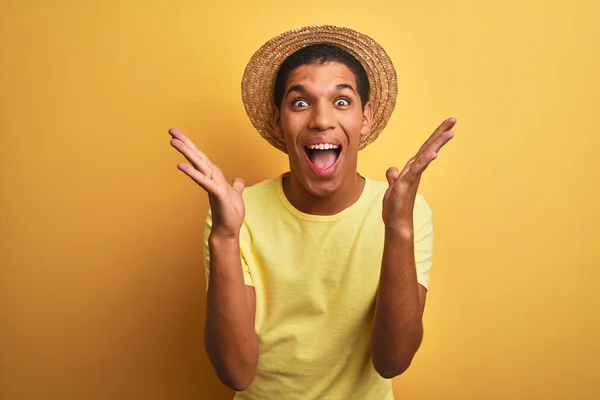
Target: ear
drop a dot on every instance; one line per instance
(367, 120)
(277, 122)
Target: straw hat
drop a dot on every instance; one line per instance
(258, 80)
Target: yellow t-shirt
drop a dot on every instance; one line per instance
(316, 279)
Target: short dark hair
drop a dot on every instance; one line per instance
(321, 54)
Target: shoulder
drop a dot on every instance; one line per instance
(262, 199)
(261, 191)
(376, 187)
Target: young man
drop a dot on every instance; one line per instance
(317, 278)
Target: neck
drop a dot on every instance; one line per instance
(335, 202)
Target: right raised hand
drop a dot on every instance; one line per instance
(225, 200)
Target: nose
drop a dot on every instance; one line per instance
(322, 117)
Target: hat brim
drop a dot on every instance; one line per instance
(259, 76)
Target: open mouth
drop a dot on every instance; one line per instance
(323, 157)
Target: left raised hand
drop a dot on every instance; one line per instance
(399, 199)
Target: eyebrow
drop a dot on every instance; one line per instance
(302, 89)
(296, 88)
(344, 86)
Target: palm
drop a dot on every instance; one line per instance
(227, 205)
(226, 200)
(398, 197)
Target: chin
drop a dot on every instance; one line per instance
(320, 187)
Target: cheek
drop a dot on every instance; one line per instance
(352, 125)
(290, 128)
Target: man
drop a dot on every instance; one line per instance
(316, 278)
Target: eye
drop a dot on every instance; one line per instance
(342, 102)
(300, 103)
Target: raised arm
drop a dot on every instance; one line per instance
(398, 325)
(230, 338)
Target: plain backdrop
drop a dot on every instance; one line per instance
(102, 292)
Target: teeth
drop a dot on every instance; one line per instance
(323, 146)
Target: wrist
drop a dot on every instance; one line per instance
(217, 239)
(400, 231)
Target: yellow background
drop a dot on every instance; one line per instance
(101, 280)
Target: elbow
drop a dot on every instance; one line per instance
(238, 379)
(236, 374)
(392, 360)
(390, 363)
(237, 383)
(393, 368)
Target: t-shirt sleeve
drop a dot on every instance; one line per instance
(244, 237)
(423, 240)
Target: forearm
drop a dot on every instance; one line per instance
(230, 340)
(398, 328)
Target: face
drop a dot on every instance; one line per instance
(322, 120)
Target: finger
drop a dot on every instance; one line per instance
(444, 126)
(392, 174)
(438, 143)
(204, 157)
(238, 184)
(201, 164)
(201, 179)
(422, 163)
(177, 134)
(407, 167)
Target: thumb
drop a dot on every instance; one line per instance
(392, 174)
(238, 184)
